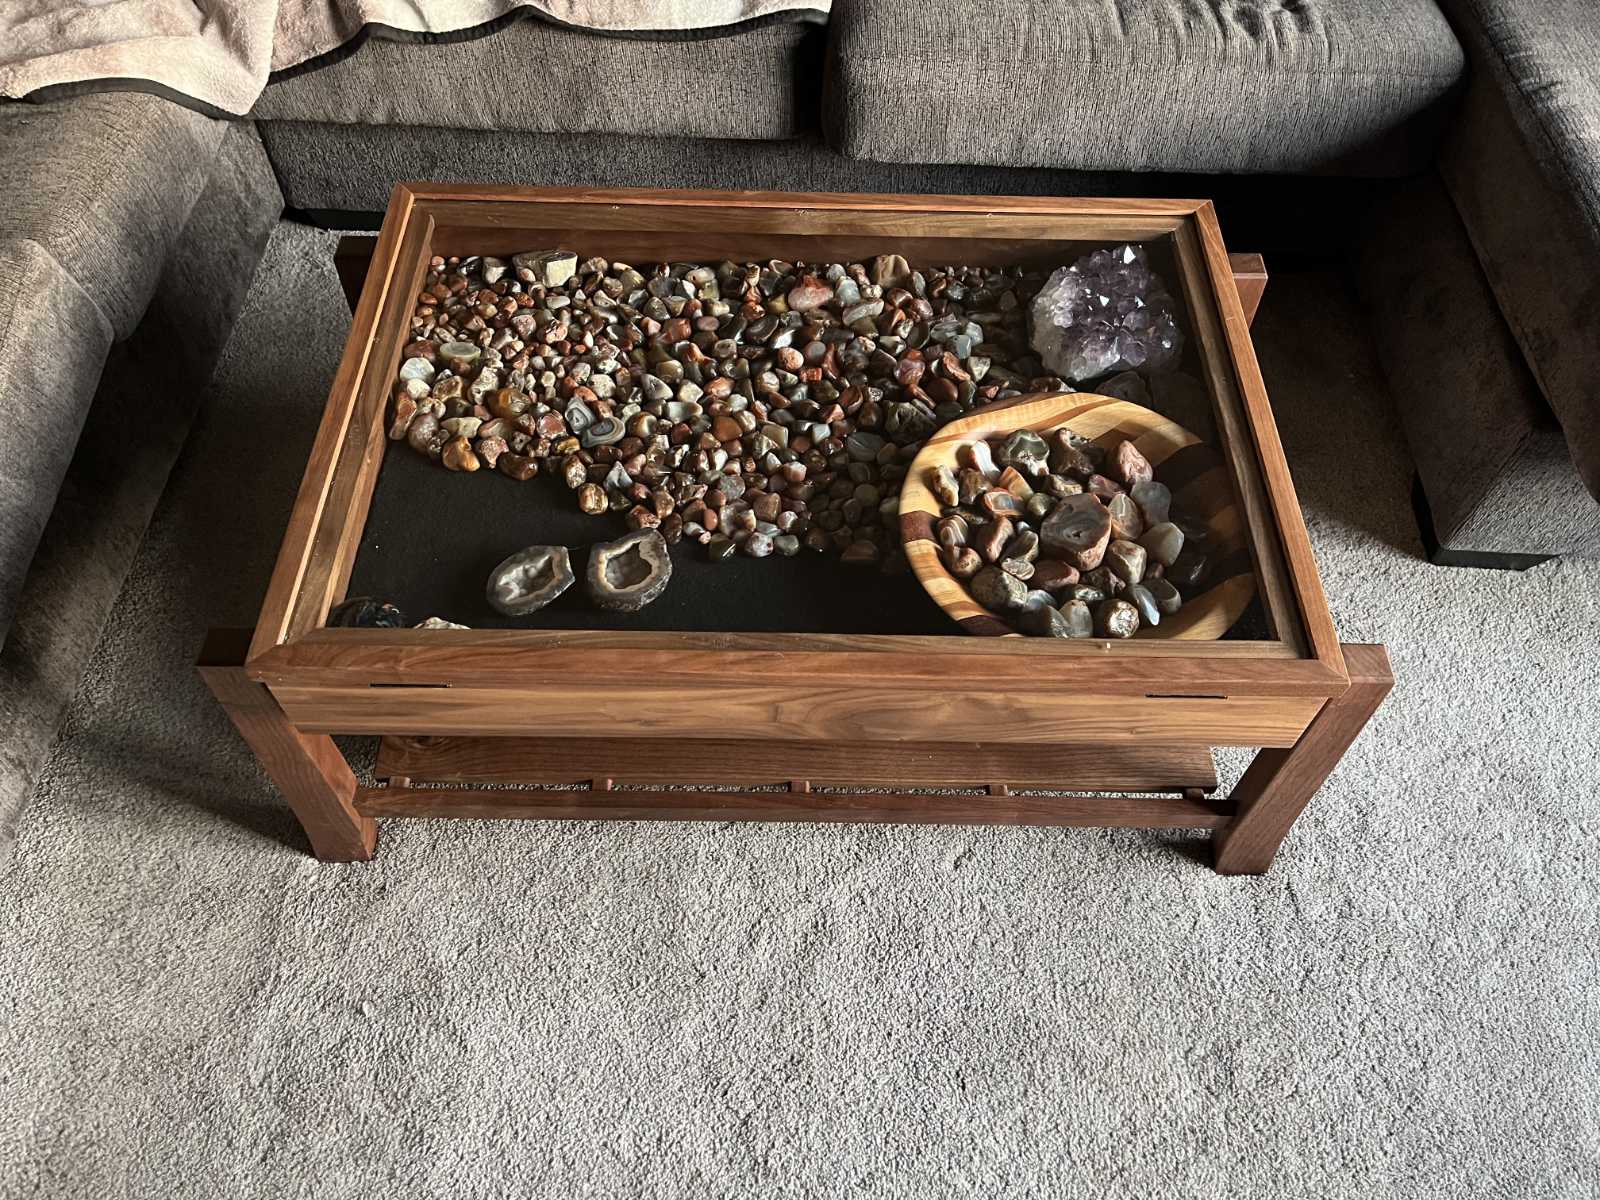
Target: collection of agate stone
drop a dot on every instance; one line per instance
(1060, 538)
(755, 408)
(622, 576)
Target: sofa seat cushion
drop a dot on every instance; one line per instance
(535, 77)
(1523, 167)
(1340, 86)
(104, 184)
(53, 342)
(95, 191)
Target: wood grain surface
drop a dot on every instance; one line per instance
(1279, 783)
(307, 769)
(325, 507)
(805, 711)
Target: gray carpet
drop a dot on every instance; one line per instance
(1409, 1006)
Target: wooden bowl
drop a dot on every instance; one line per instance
(1201, 491)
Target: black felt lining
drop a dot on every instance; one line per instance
(432, 537)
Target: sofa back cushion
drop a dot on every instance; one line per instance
(1341, 86)
(533, 76)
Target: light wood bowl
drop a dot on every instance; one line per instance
(1201, 491)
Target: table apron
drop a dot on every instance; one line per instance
(799, 710)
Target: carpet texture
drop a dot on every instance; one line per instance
(1408, 1006)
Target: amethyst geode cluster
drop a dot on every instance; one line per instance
(1107, 312)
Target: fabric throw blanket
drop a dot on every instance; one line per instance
(217, 55)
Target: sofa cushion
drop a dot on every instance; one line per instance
(535, 77)
(1343, 86)
(1523, 166)
(1490, 455)
(53, 343)
(94, 192)
(104, 184)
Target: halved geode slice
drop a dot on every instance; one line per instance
(530, 579)
(630, 572)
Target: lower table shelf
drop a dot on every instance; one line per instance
(732, 762)
(997, 806)
(659, 779)
(645, 778)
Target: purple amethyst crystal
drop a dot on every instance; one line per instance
(1106, 312)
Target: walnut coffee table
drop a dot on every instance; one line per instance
(858, 687)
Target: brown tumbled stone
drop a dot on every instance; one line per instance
(490, 449)
(458, 456)
(518, 466)
(1131, 466)
(1053, 575)
(1127, 560)
(1104, 580)
(640, 517)
(1077, 532)
(1067, 458)
(1103, 486)
(961, 561)
(808, 294)
(509, 403)
(972, 483)
(890, 270)
(1126, 520)
(1117, 619)
(425, 436)
(998, 503)
(405, 408)
(991, 537)
(1013, 481)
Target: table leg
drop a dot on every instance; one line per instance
(307, 768)
(1249, 276)
(1279, 783)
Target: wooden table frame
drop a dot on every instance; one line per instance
(993, 717)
